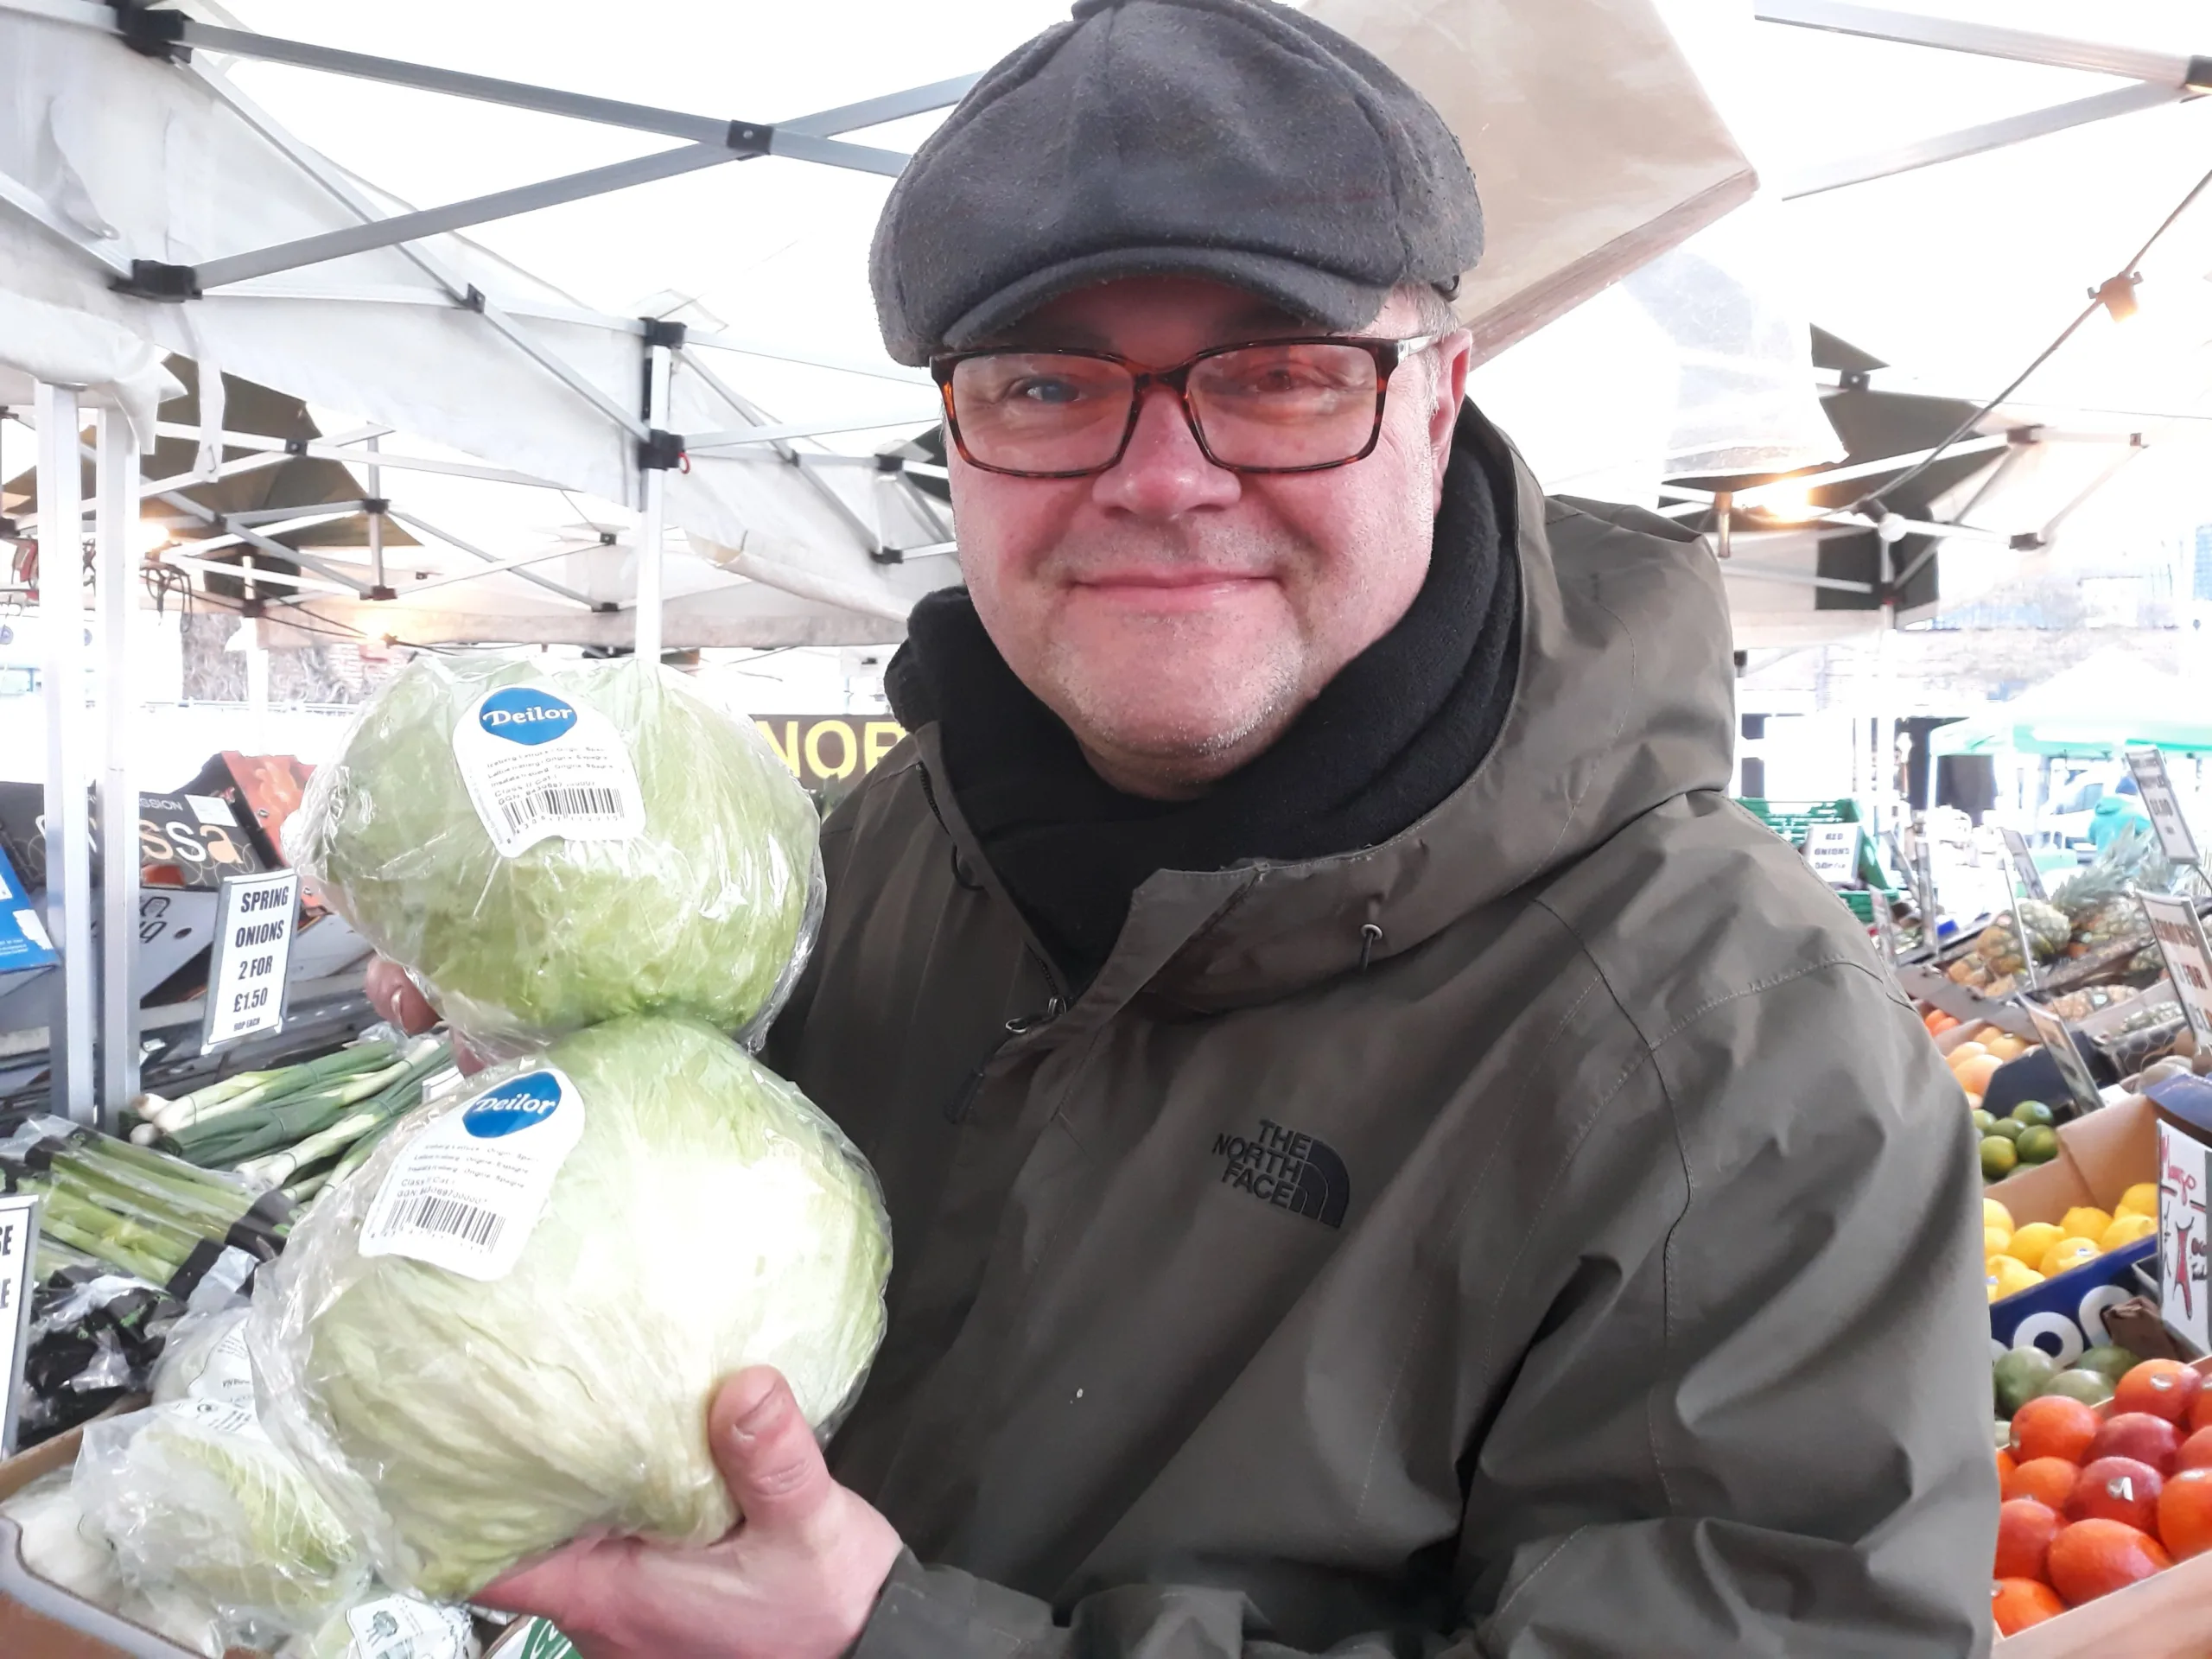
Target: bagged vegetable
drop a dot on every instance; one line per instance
(58, 1546)
(196, 1500)
(545, 847)
(506, 1328)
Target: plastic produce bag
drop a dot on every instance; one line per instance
(548, 847)
(383, 1625)
(197, 1501)
(506, 1329)
(58, 1546)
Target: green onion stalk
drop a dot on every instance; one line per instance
(343, 1128)
(245, 1089)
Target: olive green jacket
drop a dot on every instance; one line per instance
(1548, 1232)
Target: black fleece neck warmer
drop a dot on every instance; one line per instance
(1401, 727)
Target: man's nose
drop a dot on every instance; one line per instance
(1163, 473)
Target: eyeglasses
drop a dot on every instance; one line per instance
(1295, 405)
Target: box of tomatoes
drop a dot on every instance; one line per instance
(2104, 1541)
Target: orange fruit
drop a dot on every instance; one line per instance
(2047, 1480)
(2117, 1489)
(2006, 1464)
(2024, 1530)
(2015, 1604)
(2053, 1426)
(2094, 1558)
(2200, 1415)
(2163, 1387)
(2185, 1514)
(2140, 1435)
(2196, 1452)
(1973, 1075)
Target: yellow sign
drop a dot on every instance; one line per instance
(823, 749)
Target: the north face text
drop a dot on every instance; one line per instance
(1291, 1171)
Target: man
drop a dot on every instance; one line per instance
(1384, 1157)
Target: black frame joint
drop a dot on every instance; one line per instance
(892, 464)
(376, 503)
(750, 137)
(659, 451)
(154, 279)
(887, 554)
(659, 331)
(382, 592)
(2027, 541)
(474, 300)
(251, 606)
(152, 33)
(296, 446)
(2199, 77)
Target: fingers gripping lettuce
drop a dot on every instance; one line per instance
(546, 848)
(505, 1330)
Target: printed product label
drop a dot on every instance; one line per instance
(218, 1417)
(466, 1192)
(227, 1378)
(400, 1627)
(537, 766)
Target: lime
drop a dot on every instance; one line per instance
(2008, 1128)
(2019, 1375)
(1999, 1157)
(2090, 1388)
(1983, 1123)
(2032, 1112)
(2108, 1360)
(2038, 1144)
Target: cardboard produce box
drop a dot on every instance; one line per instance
(2101, 1155)
(39, 1620)
(2166, 1616)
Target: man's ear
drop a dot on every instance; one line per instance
(1454, 354)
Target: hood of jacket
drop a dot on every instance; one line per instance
(1624, 698)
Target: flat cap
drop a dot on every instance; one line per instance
(1233, 139)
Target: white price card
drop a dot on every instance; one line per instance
(2073, 1070)
(1833, 851)
(2180, 935)
(2024, 864)
(2183, 1269)
(18, 1239)
(256, 916)
(2159, 800)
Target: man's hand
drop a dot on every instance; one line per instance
(796, 1579)
(395, 996)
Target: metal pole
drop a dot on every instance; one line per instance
(651, 526)
(378, 585)
(68, 828)
(118, 515)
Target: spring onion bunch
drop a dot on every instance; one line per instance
(132, 1207)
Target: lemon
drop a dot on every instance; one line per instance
(2069, 1252)
(2028, 1242)
(1994, 1214)
(2125, 1230)
(2009, 1276)
(2140, 1199)
(1994, 1239)
(2085, 1221)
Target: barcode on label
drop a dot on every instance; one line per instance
(450, 1217)
(580, 802)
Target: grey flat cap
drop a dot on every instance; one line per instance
(1234, 139)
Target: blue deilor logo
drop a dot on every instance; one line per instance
(524, 715)
(529, 1099)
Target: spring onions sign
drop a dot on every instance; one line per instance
(256, 916)
(18, 1237)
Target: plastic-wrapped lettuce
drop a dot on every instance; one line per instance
(506, 1328)
(196, 1499)
(548, 846)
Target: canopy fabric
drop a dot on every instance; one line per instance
(2110, 701)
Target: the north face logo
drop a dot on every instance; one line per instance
(1291, 1171)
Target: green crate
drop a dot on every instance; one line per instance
(1790, 820)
